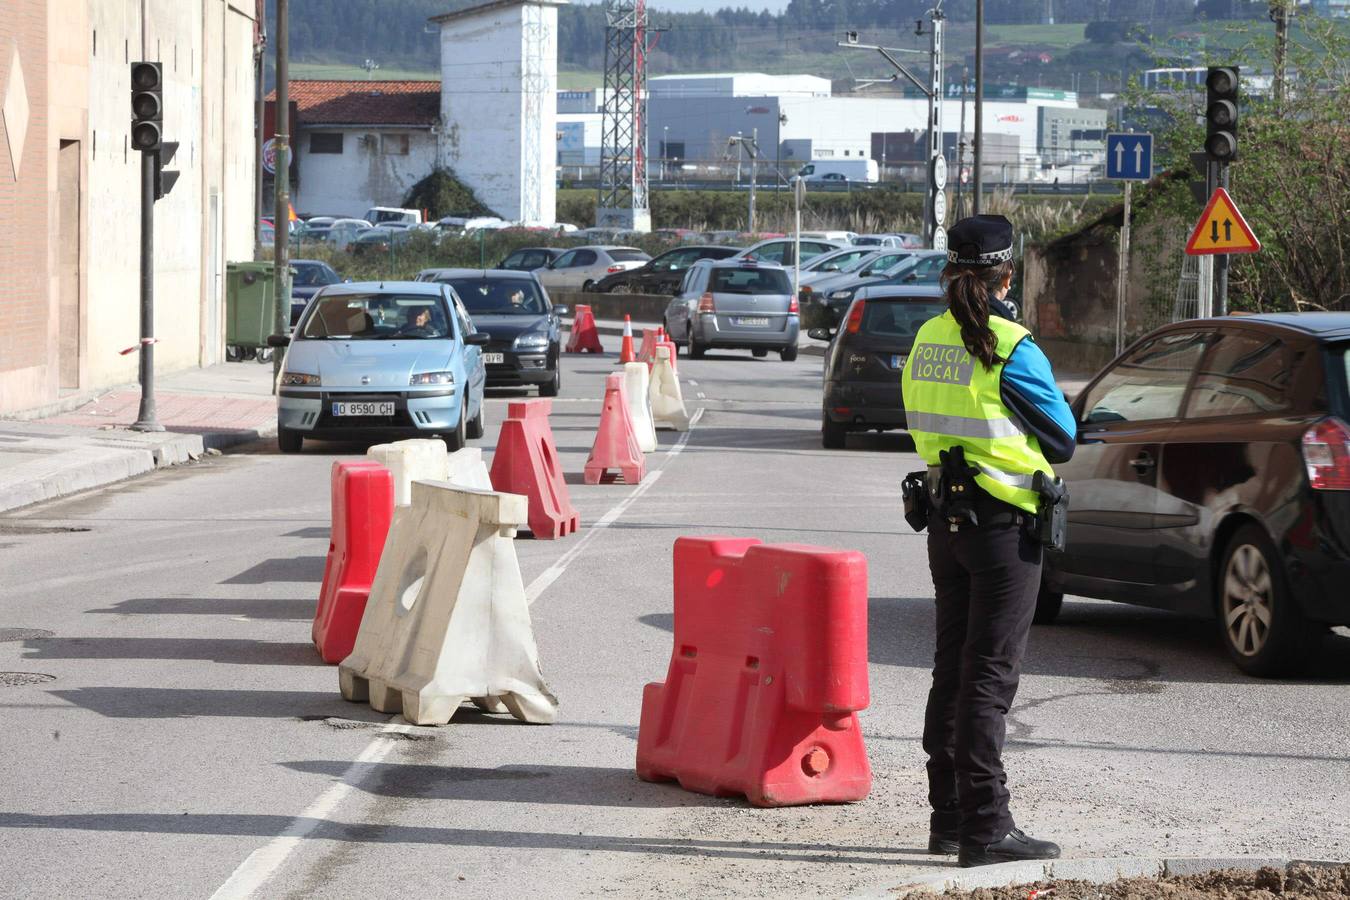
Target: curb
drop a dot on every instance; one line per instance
(114, 455)
(1097, 870)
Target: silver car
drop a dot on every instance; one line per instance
(735, 303)
(379, 360)
(580, 268)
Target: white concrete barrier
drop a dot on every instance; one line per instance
(447, 619)
(424, 459)
(636, 386)
(667, 401)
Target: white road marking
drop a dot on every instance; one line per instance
(264, 862)
(260, 865)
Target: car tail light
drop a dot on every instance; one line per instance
(794, 307)
(612, 269)
(855, 317)
(705, 304)
(1326, 453)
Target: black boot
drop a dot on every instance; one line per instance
(1014, 847)
(943, 843)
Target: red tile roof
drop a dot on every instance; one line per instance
(366, 102)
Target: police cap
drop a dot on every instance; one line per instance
(980, 241)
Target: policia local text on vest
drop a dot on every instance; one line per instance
(988, 419)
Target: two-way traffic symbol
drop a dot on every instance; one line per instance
(1221, 229)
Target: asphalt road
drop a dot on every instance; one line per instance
(187, 741)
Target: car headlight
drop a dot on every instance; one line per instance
(841, 295)
(299, 379)
(532, 341)
(447, 378)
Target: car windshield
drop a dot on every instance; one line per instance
(750, 281)
(374, 317)
(898, 318)
(921, 269)
(627, 254)
(314, 275)
(500, 296)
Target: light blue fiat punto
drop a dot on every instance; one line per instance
(382, 360)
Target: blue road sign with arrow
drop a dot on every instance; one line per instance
(1129, 157)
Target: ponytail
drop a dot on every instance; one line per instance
(968, 291)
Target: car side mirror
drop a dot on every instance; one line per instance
(477, 339)
(820, 334)
(560, 310)
(278, 340)
(865, 273)
(346, 281)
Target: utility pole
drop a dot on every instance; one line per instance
(281, 216)
(979, 104)
(1279, 14)
(260, 61)
(935, 209)
(751, 147)
(961, 148)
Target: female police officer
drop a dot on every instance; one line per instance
(976, 386)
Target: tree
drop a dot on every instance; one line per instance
(1292, 175)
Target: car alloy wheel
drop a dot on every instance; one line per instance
(459, 437)
(1263, 628)
(588, 287)
(622, 287)
(1247, 600)
(553, 386)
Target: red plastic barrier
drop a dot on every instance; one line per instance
(616, 444)
(584, 336)
(526, 462)
(768, 671)
(363, 507)
(648, 351)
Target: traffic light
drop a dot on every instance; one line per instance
(147, 106)
(1221, 113)
(165, 178)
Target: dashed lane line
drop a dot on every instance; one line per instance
(260, 865)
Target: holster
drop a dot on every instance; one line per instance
(918, 506)
(958, 494)
(1052, 517)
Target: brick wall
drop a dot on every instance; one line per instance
(25, 307)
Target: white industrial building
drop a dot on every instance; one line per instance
(798, 119)
(499, 78)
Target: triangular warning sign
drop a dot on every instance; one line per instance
(1221, 229)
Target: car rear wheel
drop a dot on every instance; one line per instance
(760, 353)
(622, 287)
(456, 439)
(1262, 628)
(788, 354)
(551, 387)
(289, 441)
(1048, 605)
(832, 434)
(588, 286)
(696, 350)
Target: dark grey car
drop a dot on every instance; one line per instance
(735, 303)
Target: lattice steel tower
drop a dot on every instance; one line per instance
(623, 151)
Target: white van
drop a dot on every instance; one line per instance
(383, 215)
(864, 170)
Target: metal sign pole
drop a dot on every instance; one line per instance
(1123, 272)
(798, 194)
(146, 419)
(1221, 264)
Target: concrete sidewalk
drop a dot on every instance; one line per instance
(201, 409)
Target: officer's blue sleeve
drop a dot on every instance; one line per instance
(1028, 389)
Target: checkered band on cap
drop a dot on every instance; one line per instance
(983, 259)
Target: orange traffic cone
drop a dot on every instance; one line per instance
(626, 354)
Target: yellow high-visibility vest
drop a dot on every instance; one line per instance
(952, 400)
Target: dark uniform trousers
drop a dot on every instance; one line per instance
(986, 579)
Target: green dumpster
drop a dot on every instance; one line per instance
(250, 304)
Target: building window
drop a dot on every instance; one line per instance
(394, 144)
(325, 142)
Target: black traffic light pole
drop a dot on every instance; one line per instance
(147, 111)
(1221, 118)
